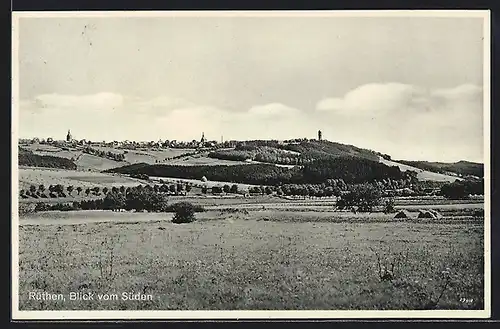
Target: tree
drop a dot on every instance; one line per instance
(364, 196)
(79, 189)
(204, 190)
(114, 201)
(96, 190)
(226, 188)
(114, 189)
(122, 189)
(234, 189)
(70, 189)
(87, 191)
(41, 188)
(172, 188)
(268, 190)
(389, 206)
(188, 188)
(144, 199)
(59, 189)
(184, 213)
(105, 190)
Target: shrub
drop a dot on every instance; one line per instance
(184, 213)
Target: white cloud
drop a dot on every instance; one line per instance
(100, 101)
(374, 99)
(409, 121)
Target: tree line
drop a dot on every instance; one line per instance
(351, 170)
(138, 198)
(103, 154)
(60, 191)
(462, 189)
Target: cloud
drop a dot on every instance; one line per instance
(375, 99)
(409, 121)
(100, 101)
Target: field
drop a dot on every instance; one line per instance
(152, 156)
(421, 174)
(46, 176)
(244, 252)
(203, 160)
(251, 260)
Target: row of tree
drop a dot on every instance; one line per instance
(55, 191)
(137, 199)
(103, 154)
(462, 189)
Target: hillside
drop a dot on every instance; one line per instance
(27, 158)
(461, 168)
(296, 153)
(349, 169)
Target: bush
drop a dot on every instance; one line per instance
(184, 213)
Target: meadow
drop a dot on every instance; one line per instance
(252, 260)
(48, 176)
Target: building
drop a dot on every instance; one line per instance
(203, 140)
(69, 138)
(320, 135)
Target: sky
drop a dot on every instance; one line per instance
(408, 87)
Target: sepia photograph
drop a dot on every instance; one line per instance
(251, 164)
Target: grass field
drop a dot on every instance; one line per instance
(260, 260)
(153, 156)
(203, 160)
(47, 176)
(421, 174)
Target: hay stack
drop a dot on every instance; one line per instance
(429, 214)
(403, 214)
(436, 214)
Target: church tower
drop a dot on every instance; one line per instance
(320, 135)
(68, 137)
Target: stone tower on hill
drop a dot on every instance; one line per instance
(320, 136)
(68, 137)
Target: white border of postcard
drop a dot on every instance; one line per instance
(260, 314)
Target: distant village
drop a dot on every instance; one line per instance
(203, 143)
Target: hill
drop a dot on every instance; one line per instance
(292, 153)
(460, 168)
